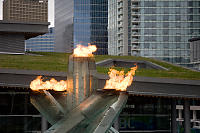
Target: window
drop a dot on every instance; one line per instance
(165, 39)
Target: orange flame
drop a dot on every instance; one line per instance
(52, 84)
(118, 81)
(84, 51)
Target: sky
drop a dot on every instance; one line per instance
(50, 12)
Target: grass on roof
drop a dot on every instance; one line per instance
(58, 62)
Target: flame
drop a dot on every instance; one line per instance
(118, 81)
(84, 51)
(52, 84)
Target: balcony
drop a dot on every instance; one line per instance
(134, 6)
(120, 31)
(135, 37)
(134, 47)
(120, 44)
(135, 33)
(120, 18)
(135, 27)
(135, 53)
(135, 43)
(120, 5)
(120, 25)
(120, 12)
(134, 14)
(136, 19)
(134, 1)
(120, 38)
(134, 40)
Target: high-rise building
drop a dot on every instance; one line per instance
(41, 43)
(81, 22)
(158, 29)
(195, 53)
(25, 10)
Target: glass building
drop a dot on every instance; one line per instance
(158, 29)
(81, 22)
(153, 115)
(42, 43)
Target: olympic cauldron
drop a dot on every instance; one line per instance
(76, 105)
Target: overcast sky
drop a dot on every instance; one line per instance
(50, 16)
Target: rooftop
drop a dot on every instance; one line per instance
(17, 71)
(57, 62)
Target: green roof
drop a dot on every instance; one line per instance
(58, 62)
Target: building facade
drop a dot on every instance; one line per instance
(81, 22)
(14, 34)
(158, 29)
(195, 53)
(41, 43)
(153, 115)
(25, 10)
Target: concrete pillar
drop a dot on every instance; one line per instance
(187, 116)
(44, 125)
(173, 116)
(194, 117)
(179, 114)
(25, 112)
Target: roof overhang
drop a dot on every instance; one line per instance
(144, 86)
(29, 29)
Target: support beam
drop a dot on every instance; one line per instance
(194, 117)
(179, 114)
(112, 113)
(44, 125)
(46, 107)
(113, 130)
(187, 116)
(79, 119)
(173, 116)
(53, 100)
(116, 124)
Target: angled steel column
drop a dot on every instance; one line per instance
(112, 113)
(80, 118)
(187, 116)
(44, 124)
(173, 116)
(116, 124)
(45, 106)
(113, 130)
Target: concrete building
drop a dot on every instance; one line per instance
(195, 53)
(81, 22)
(158, 29)
(13, 35)
(42, 43)
(25, 10)
(22, 19)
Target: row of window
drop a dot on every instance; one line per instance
(170, 3)
(92, 20)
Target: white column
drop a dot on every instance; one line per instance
(194, 117)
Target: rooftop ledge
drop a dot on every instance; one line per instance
(29, 29)
(27, 23)
(56, 64)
